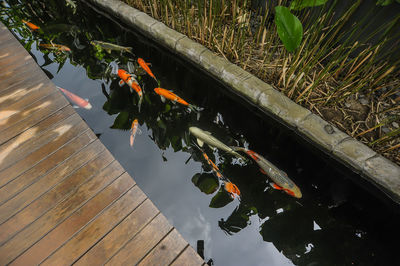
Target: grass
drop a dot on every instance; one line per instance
(337, 72)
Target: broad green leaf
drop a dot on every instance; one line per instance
(220, 199)
(207, 183)
(289, 27)
(121, 122)
(300, 4)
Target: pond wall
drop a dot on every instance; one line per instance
(373, 167)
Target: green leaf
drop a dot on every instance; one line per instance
(121, 122)
(220, 199)
(300, 4)
(385, 2)
(289, 27)
(207, 183)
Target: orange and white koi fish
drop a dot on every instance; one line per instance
(232, 189)
(213, 165)
(130, 80)
(58, 47)
(146, 68)
(166, 94)
(134, 128)
(280, 178)
(76, 99)
(32, 26)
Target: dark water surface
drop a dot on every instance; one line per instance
(337, 222)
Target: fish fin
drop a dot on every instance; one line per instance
(162, 99)
(275, 186)
(88, 106)
(208, 132)
(75, 106)
(121, 83)
(108, 51)
(201, 143)
(149, 64)
(262, 171)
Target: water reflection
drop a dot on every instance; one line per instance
(335, 223)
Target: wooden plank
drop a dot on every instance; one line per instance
(120, 235)
(142, 243)
(34, 200)
(11, 98)
(30, 96)
(24, 103)
(188, 258)
(91, 234)
(53, 240)
(18, 90)
(29, 136)
(23, 181)
(19, 70)
(18, 65)
(31, 117)
(166, 251)
(29, 235)
(24, 144)
(62, 146)
(22, 78)
(27, 110)
(13, 54)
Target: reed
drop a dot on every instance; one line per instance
(334, 65)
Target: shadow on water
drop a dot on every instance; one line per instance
(337, 222)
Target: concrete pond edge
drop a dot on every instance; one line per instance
(372, 166)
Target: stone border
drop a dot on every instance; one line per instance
(375, 168)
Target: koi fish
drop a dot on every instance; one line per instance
(32, 26)
(166, 94)
(213, 165)
(232, 189)
(130, 80)
(134, 128)
(280, 178)
(111, 47)
(76, 99)
(57, 47)
(206, 137)
(146, 68)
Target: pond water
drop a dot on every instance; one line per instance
(338, 221)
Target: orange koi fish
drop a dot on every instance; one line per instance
(232, 189)
(212, 164)
(134, 128)
(57, 47)
(280, 178)
(146, 68)
(130, 80)
(32, 26)
(173, 97)
(76, 99)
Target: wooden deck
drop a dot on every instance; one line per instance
(64, 199)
